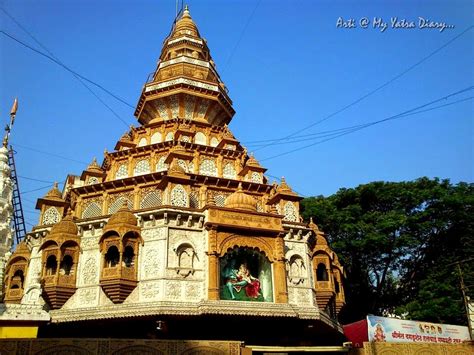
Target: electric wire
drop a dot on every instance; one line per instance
(33, 179)
(55, 57)
(67, 68)
(242, 33)
(38, 189)
(396, 77)
(409, 112)
(350, 129)
(50, 154)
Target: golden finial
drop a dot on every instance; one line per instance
(186, 11)
(8, 128)
(14, 107)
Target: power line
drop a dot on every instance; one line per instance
(67, 68)
(240, 37)
(52, 55)
(50, 154)
(396, 77)
(351, 129)
(38, 189)
(294, 137)
(33, 179)
(410, 112)
(279, 179)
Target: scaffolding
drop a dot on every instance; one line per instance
(18, 218)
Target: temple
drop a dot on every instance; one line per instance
(177, 234)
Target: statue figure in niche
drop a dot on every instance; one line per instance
(241, 279)
(246, 276)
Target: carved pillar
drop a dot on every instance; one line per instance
(213, 287)
(136, 198)
(130, 166)
(280, 271)
(219, 166)
(105, 203)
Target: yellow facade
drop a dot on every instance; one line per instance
(18, 332)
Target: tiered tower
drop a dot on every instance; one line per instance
(180, 225)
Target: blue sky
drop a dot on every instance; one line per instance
(286, 65)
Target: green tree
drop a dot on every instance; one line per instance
(395, 240)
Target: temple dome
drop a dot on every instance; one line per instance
(185, 25)
(54, 193)
(122, 216)
(241, 201)
(94, 167)
(65, 226)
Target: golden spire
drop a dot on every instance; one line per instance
(8, 128)
(186, 11)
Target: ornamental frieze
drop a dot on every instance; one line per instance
(243, 220)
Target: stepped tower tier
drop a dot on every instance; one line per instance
(185, 83)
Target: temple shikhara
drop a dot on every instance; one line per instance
(176, 234)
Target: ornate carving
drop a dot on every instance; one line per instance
(151, 266)
(89, 243)
(89, 272)
(173, 290)
(243, 241)
(150, 290)
(87, 297)
(193, 291)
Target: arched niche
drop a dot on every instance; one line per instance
(297, 272)
(322, 272)
(246, 275)
(186, 259)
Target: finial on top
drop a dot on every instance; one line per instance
(55, 186)
(124, 205)
(186, 11)
(8, 128)
(14, 107)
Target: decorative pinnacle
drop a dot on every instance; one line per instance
(14, 107)
(186, 11)
(8, 128)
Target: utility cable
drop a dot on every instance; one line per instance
(51, 154)
(350, 129)
(32, 179)
(67, 68)
(57, 59)
(410, 112)
(240, 37)
(396, 77)
(39, 188)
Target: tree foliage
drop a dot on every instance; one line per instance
(399, 243)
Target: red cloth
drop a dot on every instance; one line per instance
(252, 288)
(357, 333)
